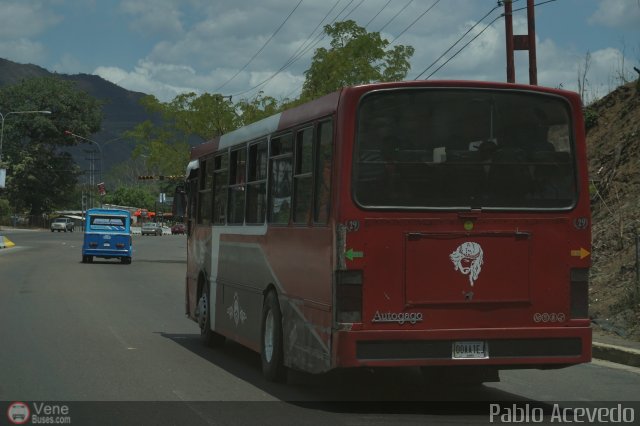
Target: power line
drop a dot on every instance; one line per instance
(476, 36)
(301, 50)
(416, 20)
(466, 44)
(395, 16)
(299, 86)
(535, 5)
(353, 10)
(380, 11)
(457, 41)
(262, 48)
(304, 45)
(294, 58)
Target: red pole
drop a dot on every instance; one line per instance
(531, 24)
(508, 22)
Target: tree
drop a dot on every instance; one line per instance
(206, 116)
(165, 146)
(258, 108)
(583, 70)
(355, 57)
(131, 196)
(163, 149)
(41, 175)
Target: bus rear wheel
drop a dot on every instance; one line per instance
(271, 342)
(207, 336)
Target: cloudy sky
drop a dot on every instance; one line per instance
(239, 47)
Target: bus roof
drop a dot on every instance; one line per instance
(318, 108)
(107, 212)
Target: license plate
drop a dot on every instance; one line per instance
(107, 245)
(470, 350)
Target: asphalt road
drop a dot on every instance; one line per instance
(109, 332)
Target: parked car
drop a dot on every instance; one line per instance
(178, 228)
(151, 228)
(62, 224)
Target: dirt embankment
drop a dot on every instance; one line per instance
(613, 141)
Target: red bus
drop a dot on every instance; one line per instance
(439, 224)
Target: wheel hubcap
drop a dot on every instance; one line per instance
(202, 311)
(268, 336)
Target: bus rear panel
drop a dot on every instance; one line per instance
(465, 236)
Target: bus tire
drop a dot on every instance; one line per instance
(208, 337)
(271, 347)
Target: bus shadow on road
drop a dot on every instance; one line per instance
(379, 390)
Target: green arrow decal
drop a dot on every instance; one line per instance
(350, 254)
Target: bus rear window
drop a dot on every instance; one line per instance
(448, 148)
(116, 223)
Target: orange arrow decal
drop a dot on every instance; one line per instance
(582, 253)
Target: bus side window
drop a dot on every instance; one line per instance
(204, 192)
(237, 179)
(220, 184)
(257, 183)
(324, 158)
(280, 179)
(302, 181)
(192, 194)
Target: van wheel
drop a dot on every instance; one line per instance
(271, 347)
(207, 336)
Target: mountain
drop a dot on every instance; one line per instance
(121, 108)
(613, 146)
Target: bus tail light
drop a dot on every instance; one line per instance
(120, 245)
(348, 296)
(93, 244)
(580, 293)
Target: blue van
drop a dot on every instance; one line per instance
(107, 234)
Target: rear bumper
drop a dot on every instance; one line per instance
(507, 348)
(106, 253)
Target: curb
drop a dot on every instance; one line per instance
(617, 354)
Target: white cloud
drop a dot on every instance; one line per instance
(22, 50)
(282, 85)
(617, 13)
(69, 64)
(162, 80)
(199, 45)
(153, 17)
(25, 19)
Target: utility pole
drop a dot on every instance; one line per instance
(521, 42)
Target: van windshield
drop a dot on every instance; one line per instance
(464, 148)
